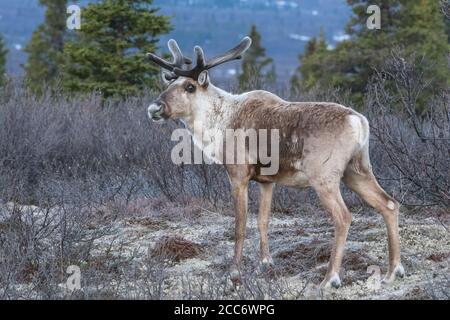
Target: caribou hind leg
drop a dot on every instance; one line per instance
(330, 197)
(359, 177)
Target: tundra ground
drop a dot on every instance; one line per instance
(173, 252)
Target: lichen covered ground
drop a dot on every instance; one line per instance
(300, 243)
(167, 251)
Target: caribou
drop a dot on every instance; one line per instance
(320, 144)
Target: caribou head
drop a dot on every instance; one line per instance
(188, 87)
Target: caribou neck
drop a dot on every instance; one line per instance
(214, 112)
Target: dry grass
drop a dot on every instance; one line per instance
(439, 256)
(150, 223)
(176, 248)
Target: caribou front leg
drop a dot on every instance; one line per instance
(263, 223)
(240, 197)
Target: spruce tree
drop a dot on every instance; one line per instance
(417, 27)
(46, 46)
(257, 68)
(108, 53)
(3, 53)
(311, 65)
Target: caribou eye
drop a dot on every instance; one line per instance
(190, 88)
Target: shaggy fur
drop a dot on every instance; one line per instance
(320, 144)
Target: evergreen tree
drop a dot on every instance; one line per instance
(46, 45)
(3, 53)
(108, 53)
(257, 68)
(311, 64)
(415, 26)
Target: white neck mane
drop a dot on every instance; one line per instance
(210, 119)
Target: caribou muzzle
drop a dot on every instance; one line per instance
(156, 111)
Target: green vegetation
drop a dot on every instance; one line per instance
(3, 53)
(257, 68)
(311, 68)
(108, 53)
(415, 28)
(46, 46)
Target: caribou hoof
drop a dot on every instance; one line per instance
(398, 272)
(267, 268)
(331, 282)
(266, 264)
(235, 275)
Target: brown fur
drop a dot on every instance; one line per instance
(301, 125)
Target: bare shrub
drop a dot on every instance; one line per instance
(37, 245)
(410, 150)
(445, 7)
(72, 170)
(303, 256)
(438, 287)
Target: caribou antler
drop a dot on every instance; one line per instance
(176, 68)
(178, 60)
(201, 64)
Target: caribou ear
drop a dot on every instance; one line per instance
(203, 79)
(166, 77)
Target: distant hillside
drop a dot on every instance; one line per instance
(214, 24)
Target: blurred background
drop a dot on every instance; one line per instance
(298, 44)
(216, 25)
